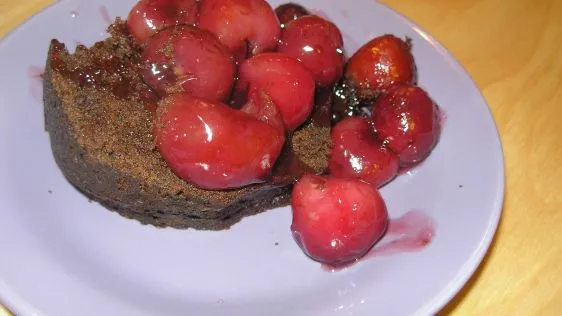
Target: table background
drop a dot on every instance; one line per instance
(513, 50)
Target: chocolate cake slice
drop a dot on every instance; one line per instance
(97, 114)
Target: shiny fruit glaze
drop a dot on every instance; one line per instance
(382, 62)
(188, 59)
(245, 27)
(408, 120)
(318, 44)
(261, 106)
(357, 152)
(411, 232)
(149, 16)
(286, 80)
(212, 145)
(335, 220)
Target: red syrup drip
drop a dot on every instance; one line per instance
(105, 15)
(411, 232)
(35, 75)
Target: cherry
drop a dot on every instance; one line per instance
(407, 119)
(382, 62)
(288, 12)
(186, 58)
(246, 27)
(318, 44)
(286, 80)
(213, 146)
(336, 220)
(149, 16)
(357, 152)
(260, 106)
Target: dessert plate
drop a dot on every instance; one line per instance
(61, 254)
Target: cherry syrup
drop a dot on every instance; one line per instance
(412, 232)
(35, 75)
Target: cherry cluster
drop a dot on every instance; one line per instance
(235, 76)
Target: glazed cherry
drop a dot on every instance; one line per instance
(260, 105)
(286, 80)
(186, 58)
(149, 16)
(246, 27)
(357, 152)
(318, 44)
(379, 64)
(407, 119)
(288, 12)
(213, 146)
(335, 220)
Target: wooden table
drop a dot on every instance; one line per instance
(513, 50)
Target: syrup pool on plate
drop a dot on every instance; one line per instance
(410, 232)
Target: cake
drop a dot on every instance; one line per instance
(98, 114)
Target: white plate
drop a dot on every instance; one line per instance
(62, 255)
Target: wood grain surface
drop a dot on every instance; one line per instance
(513, 50)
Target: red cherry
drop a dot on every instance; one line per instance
(407, 119)
(286, 80)
(186, 58)
(335, 220)
(358, 153)
(379, 64)
(288, 12)
(318, 44)
(213, 146)
(260, 106)
(149, 16)
(246, 27)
